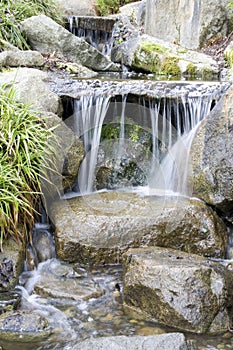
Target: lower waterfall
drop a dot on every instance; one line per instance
(170, 122)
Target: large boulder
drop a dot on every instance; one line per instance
(177, 289)
(98, 228)
(170, 341)
(48, 37)
(187, 23)
(31, 88)
(212, 156)
(149, 54)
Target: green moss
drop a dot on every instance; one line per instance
(150, 47)
(207, 73)
(170, 66)
(191, 69)
(229, 57)
(146, 62)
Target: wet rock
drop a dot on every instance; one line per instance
(68, 157)
(61, 281)
(212, 156)
(98, 228)
(182, 290)
(149, 54)
(9, 301)
(22, 326)
(21, 58)
(30, 88)
(43, 244)
(170, 341)
(189, 24)
(11, 264)
(47, 37)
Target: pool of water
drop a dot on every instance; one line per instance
(81, 302)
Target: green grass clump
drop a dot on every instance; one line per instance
(24, 156)
(107, 7)
(12, 12)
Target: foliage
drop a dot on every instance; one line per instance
(12, 12)
(24, 147)
(106, 7)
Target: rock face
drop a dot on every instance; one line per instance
(170, 341)
(30, 88)
(188, 23)
(48, 37)
(178, 289)
(212, 156)
(148, 54)
(98, 228)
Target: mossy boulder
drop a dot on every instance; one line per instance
(148, 54)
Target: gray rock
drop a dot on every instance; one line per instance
(170, 341)
(212, 156)
(62, 282)
(188, 23)
(23, 326)
(77, 8)
(98, 228)
(68, 157)
(149, 54)
(48, 37)
(21, 58)
(181, 290)
(30, 88)
(135, 11)
(11, 265)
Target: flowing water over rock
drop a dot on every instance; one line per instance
(111, 117)
(97, 31)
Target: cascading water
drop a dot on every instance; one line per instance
(172, 123)
(100, 36)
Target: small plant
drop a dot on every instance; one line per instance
(24, 153)
(12, 12)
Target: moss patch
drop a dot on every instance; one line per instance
(170, 66)
(191, 70)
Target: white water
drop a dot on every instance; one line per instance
(173, 124)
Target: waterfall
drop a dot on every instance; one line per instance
(172, 123)
(98, 32)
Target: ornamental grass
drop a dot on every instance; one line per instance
(12, 12)
(25, 156)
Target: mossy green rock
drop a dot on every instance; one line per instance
(149, 54)
(177, 289)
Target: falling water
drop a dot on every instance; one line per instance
(101, 39)
(173, 123)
